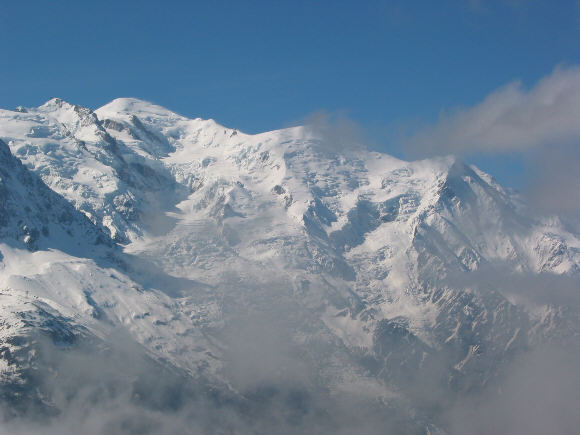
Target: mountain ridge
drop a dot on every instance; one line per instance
(220, 235)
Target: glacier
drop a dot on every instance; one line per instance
(171, 275)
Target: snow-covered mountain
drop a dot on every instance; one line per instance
(281, 278)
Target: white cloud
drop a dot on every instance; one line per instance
(336, 133)
(510, 119)
(541, 125)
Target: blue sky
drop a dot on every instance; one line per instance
(390, 66)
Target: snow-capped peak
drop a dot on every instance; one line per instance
(133, 106)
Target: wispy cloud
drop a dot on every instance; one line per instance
(510, 119)
(335, 132)
(541, 124)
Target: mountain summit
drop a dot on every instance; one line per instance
(271, 282)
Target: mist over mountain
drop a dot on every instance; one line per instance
(160, 274)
